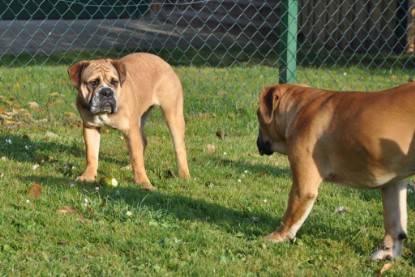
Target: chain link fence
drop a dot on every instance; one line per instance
(337, 36)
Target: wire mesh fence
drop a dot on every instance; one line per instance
(335, 35)
(341, 30)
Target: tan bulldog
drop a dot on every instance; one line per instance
(120, 94)
(359, 139)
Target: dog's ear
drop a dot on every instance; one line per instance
(122, 72)
(75, 72)
(268, 103)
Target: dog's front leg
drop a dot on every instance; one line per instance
(92, 137)
(303, 193)
(395, 220)
(136, 149)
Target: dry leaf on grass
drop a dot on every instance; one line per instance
(33, 105)
(210, 148)
(221, 134)
(385, 268)
(66, 210)
(69, 210)
(34, 190)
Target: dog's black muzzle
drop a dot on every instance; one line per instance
(104, 101)
(264, 147)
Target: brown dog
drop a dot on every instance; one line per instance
(120, 94)
(363, 140)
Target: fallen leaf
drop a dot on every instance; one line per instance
(385, 268)
(82, 218)
(210, 148)
(221, 134)
(33, 105)
(54, 94)
(70, 115)
(262, 174)
(51, 135)
(34, 190)
(7, 102)
(2, 110)
(127, 167)
(63, 242)
(66, 210)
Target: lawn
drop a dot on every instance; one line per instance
(210, 225)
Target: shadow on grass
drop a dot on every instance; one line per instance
(23, 149)
(252, 224)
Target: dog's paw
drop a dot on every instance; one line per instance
(147, 187)
(382, 254)
(85, 178)
(389, 251)
(276, 237)
(184, 175)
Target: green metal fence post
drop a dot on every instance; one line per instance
(288, 42)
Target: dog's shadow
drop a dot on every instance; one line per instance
(254, 225)
(23, 149)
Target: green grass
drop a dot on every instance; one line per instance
(211, 225)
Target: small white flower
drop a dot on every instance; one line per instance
(344, 73)
(239, 181)
(35, 166)
(128, 213)
(27, 147)
(246, 171)
(97, 188)
(255, 219)
(224, 153)
(340, 210)
(27, 201)
(265, 200)
(8, 141)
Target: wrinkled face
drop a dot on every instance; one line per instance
(98, 83)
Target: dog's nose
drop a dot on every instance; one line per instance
(264, 147)
(106, 92)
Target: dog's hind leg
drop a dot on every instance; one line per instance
(175, 121)
(143, 121)
(395, 220)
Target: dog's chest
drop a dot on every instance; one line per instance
(113, 121)
(100, 120)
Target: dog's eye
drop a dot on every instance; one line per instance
(93, 83)
(114, 82)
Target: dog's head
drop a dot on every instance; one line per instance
(99, 84)
(269, 139)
